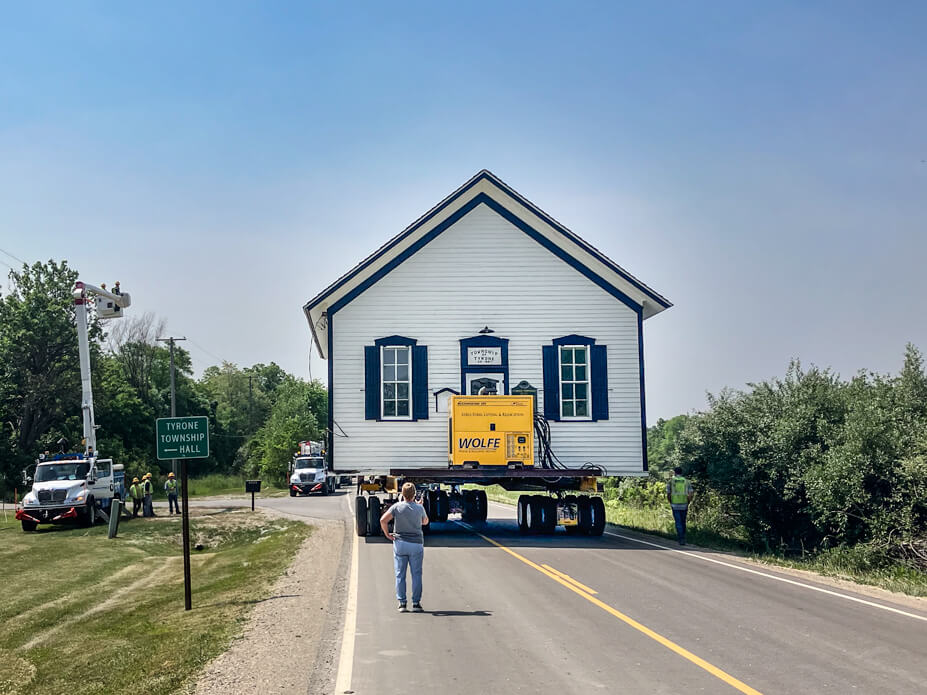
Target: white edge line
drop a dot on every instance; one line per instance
(346, 659)
(761, 574)
(771, 576)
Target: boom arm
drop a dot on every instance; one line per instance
(81, 296)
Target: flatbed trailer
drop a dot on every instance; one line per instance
(562, 496)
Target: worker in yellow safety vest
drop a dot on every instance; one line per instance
(135, 492)
(170, 487)
(147, 492)
(679, 494)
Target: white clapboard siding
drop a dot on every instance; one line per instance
(483, 271)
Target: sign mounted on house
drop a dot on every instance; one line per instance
(483, 356)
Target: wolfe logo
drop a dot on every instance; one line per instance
(479, 443)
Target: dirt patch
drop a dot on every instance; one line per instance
(278, 651)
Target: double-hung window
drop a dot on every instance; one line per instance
(396, 382)
(396, 379)
(574, 382)
(575, 379)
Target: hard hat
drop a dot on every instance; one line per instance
(134, 480)
(147, 475)
(170, 475)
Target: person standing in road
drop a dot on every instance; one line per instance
(147, 490)
(679, 494)
(135, 492)
(408, 518)
(170, 487)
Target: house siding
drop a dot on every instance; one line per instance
(482, 271)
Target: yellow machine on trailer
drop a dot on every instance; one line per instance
(495, 440)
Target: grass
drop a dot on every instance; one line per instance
(84, 614)
(218, 484)
(851, 564)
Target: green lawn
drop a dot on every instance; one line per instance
(84, 614)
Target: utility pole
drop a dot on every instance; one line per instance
(185, 507)
(250, 405)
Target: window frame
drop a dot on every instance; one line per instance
(587, 381)
(396, 382)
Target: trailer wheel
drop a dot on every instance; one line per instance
(549, 507)
(584, 509)
(444, 505)
(536, 505)
(360, 515)
(522, 513)
(28, 526)
(373, 517)
(598, 516)
(482, 505)
(469, 504)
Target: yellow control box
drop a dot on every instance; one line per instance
(491, 431)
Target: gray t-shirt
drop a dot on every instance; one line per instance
(407, 521)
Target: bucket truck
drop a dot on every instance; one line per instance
(78, 487)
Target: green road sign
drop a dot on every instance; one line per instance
(183, 437)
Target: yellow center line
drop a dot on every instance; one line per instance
(669, 644)
(570, 579)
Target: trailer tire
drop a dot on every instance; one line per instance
(536, 505)
(522, 513)
(584, 509)
(549, 524)
(360, 515)
(482, 505)
(444, 505)
(598, 516)
(29, 526)
(373, 517)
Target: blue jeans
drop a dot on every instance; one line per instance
(409, 555)
(172, 503)
(679, 516)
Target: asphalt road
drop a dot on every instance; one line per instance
(624, 613)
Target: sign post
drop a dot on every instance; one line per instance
(183, 438)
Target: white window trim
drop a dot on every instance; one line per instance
(587, 381)
(395, 417)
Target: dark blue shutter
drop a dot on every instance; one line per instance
(420, 382)
(371, 382)
(599, 375)
(551, 382)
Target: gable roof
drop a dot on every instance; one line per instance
(483, 188)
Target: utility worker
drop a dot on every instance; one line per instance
(147, 490)
(135, 492)
(170, 487)
(679, 494)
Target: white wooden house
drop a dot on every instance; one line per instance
(484, 291)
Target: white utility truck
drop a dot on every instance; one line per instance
(78, 487)
(309, 472)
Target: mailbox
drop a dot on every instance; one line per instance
(252, 486)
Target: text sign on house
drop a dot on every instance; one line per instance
(484, 356)
(183, 437)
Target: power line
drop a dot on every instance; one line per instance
(13, 257)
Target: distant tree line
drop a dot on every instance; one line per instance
(256, 414)
(810, 461)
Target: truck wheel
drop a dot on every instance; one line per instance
(584, 510)
(360, 515)
(373, 517)
(90, 515)
(482, 505)
(292, 491)
(444, 505)
(28, 526)
(325, 489)
(536, 506)
(598, 516)
(468, 503)
(522, 513)
(549, 508)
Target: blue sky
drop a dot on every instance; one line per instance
(764, 166)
